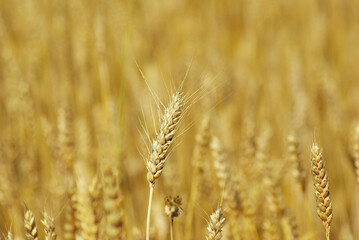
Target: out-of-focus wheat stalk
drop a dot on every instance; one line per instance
(201, 148)
(356, 152)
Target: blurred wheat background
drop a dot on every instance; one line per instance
(82, 84)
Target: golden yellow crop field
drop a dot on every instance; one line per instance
(179, 119)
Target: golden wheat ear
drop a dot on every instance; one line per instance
(113, 205)
(30, 226)
(297, 167)
(9, 236)
(164, 138)
(49, 227)
(321, 187)
(215, 225)
(71, 224)
(160, 146)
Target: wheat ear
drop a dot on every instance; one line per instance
(30, 226)
(9, 236)
(295, 160)
(71, 224)
(49, 227)
(113, 205)
(86, 215)
(321, 187)
(96, 197)
(272, 208)
(215, 225)
(160, 146)
(164, 138)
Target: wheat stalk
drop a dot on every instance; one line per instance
(356, 152)
(30, 226)
(321, 187)
(49, 227)
(160, 146)
(215, 225)
(201, 148)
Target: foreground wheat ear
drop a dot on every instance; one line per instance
(49, 227)
(160, 146)
(215, 225)
(321, 187)
(9, 236)
(30, 226)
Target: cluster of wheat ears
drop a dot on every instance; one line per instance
(179, 119)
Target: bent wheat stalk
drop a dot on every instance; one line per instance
(321, 186)
(160, 146)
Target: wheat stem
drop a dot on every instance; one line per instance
(149, 212)
(171, 227)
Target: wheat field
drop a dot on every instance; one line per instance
(179, 119)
